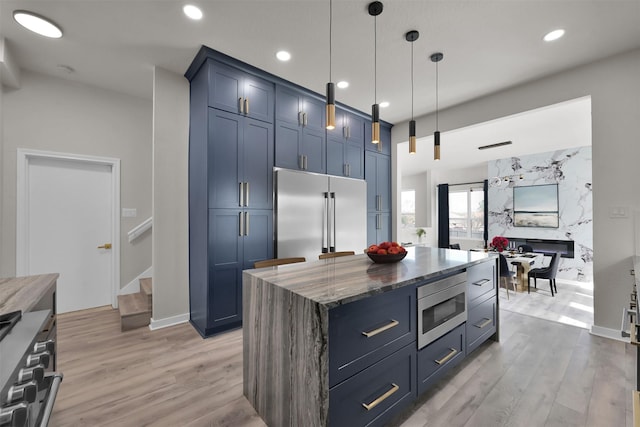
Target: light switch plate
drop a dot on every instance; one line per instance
(129, 212)
(618, 212)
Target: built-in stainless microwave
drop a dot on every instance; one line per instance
(442, 305)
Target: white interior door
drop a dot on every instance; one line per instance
(69, 214)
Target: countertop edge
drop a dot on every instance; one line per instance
(23, 293)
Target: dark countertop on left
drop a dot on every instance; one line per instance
(22, 293)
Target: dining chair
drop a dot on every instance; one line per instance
(522, 249)
(506, 274)
(277, 261)
(335, 254)
(454, 246)
(548, 273)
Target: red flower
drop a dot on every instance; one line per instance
(500, 243)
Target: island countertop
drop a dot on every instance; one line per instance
(23, 293)
(336, 281)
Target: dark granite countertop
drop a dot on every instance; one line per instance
(337, 281)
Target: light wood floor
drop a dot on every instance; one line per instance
(540, 374)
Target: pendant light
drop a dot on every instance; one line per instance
(331, 88)
(412, 36)
(375, 9)
(436, 57)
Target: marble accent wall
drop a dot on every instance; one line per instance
(571, 170)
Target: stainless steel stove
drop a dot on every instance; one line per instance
(28, 381)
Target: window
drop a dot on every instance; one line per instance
(408, 208)
(466, 213)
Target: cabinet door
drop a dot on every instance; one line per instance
(288, 140)
(384, 147)
(383, 231)
(313, 147)
(258, 240)
(371, 176)
(225, 134)
(225, 87)
(314, 110)
(335, 156)
(287, 106)
(225, 263)
(257, 156)
(354, 157)
(383, 181)
(355, 129)
(259, 96)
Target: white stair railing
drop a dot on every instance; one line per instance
(140, 229)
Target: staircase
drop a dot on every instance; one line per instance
(135, 309)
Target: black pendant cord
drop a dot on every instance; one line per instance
(375, 59)
(437, 127)
(330, 36)
(411, 80)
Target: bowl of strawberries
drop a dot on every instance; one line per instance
(386, 252)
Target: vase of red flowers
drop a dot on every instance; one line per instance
(499, 243)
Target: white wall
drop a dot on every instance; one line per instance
(570, 169)
(613, 85)
(52, 114)
(170, 197)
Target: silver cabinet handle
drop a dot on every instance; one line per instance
(240, 105)
(240, 224)
(246, 223)
(306, 164)
(301, 161)
(344, 169)
(348, 169)
(246, 106)
(481, 282)
(240, 194)
(377, 221)
(300, 119)
(304, 122)
(484, 324)
(246, 194)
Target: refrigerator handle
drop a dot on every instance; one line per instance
(325, 218)
(332, 223)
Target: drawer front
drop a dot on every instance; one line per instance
(363, 332)
(481, 323)
(481, 279)
(438, 357)
(385, 388)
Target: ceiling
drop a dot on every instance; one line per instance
(488, 45)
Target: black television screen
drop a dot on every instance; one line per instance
(536, 206)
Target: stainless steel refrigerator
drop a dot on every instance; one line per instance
(319, 213)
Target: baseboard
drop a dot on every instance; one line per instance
(613, 334)
(134, 286)
(169, 321)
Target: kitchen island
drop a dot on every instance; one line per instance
(335, 342)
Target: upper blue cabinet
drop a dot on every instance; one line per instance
(300, 130)
(345, 146)
(235, 91)
(384, 147)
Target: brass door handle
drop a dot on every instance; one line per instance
(370, 406)
(375, 332)
(105, 246)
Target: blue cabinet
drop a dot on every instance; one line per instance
(237, 238)
(345, 146)
(300, 131)
(240, 161)
(378, 177)
(384, 147)
(238, 92)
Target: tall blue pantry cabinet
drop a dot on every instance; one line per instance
(243, 122)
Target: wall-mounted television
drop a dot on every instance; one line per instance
(536, 206)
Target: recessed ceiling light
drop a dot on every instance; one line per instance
(342, 84)
(554, 35)
(283, 55)
(192, 11)
(384, 104)
(38, 24)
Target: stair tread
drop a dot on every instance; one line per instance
(145, 285)
(133, 304)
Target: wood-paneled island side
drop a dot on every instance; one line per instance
(334, 342)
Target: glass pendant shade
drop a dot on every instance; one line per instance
(412, 137)
(331, 106)
(436, 145)
(375, 124)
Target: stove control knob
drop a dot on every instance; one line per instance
(14, 416)
(38, 358)
(35, 373)
(26, 392)
(48, 345)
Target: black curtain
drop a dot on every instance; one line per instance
(486, 212)
(443, 215)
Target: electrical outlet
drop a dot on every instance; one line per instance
(632, 272)
(129, 212)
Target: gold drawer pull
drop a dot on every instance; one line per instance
(381, 399)
(483, 324)
(481, 282)
(445, 359)
(390, 325)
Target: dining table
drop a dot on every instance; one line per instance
(524, 263)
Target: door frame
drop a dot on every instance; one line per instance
(22, 208)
